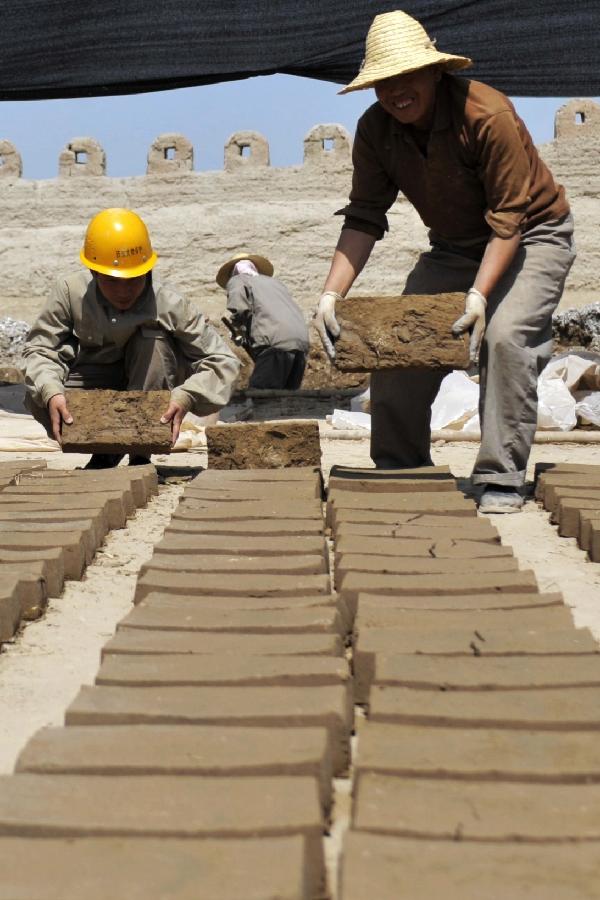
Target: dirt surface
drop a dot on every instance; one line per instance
(263, 445)
(42, 671)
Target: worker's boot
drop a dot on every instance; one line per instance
(104, 461)
(500, 498)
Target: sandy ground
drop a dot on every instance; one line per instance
(42, 670)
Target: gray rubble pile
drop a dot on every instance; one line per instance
(13, 335)
(578, 328)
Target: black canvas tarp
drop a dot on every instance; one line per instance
(70, 48)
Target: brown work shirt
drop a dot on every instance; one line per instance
(478, 173)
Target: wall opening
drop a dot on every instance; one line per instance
(169, 152)
(245, 151)
(328, 144)
(81, 157)
(580, 118)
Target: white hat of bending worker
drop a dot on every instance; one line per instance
(264, 266)
(397, 43)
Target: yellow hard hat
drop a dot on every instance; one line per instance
(117, 243)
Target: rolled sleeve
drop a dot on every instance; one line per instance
(214, 366)
(372, 191)
(505, 174)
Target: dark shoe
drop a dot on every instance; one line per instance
(499, 498)
(103, 461)
(138, 460)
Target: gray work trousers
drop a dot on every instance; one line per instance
(517, 345)
(149, 363)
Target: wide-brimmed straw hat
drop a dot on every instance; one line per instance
(397, 43)
(261, 262)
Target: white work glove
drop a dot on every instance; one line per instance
(326, 322)
(474, 316)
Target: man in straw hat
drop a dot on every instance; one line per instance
(115, 325)
(273, 328)
(499, 228)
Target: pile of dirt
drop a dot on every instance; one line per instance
(577, 328)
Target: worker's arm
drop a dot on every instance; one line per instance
(350, 257)
(214, 368)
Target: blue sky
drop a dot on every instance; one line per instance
(281, 107)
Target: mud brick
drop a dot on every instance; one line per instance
(141, 486)
(595, 541)
(248, 585)
(186, 520)
(260, 707)
(252, 510)
(437, 528)
(304, 474)
(10, 606)
(117, 422)
(262, 490)
(371, 615)
(132, 641)
(32, 589)
(195, 561)
(352, 584)
(223, 545)
(436, 549)
(553, 709)
(75, 486)
(478, 753)
(263, 445)
(460, 507)
(247, 671)
(72, 544)
(566, 480)
(455, 643)
(406, 565)
(362, 473)
(181, 750)
(274, 868)
(440, 503)
(457, 602)
(390, 486)
(393, 868)
(184, 617)
(554, 493)
(486, 673)
(396, 332)
(567, 514)
(500, 811)
(86, 528)
(64, 518)
(163, 806)
(112, 502)
(46, 564)
(587, 520)
(543, 468)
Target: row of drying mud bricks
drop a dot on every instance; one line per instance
(51, 524)
(571, 494)
(221, 711)
(477, 766)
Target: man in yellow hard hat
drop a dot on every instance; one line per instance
(115, 326)
(500, 230)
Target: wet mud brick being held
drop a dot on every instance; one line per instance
(117, 422)
(396, 332)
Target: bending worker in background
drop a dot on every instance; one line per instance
(270, 324)
(500, 230)
(115, 326)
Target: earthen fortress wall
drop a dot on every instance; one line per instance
(198, 219)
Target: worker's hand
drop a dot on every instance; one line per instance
(326, 322)
(474, 318)
(59, 413)
(174, 414)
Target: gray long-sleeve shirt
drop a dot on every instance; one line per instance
(277, 321)
(78, 324)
